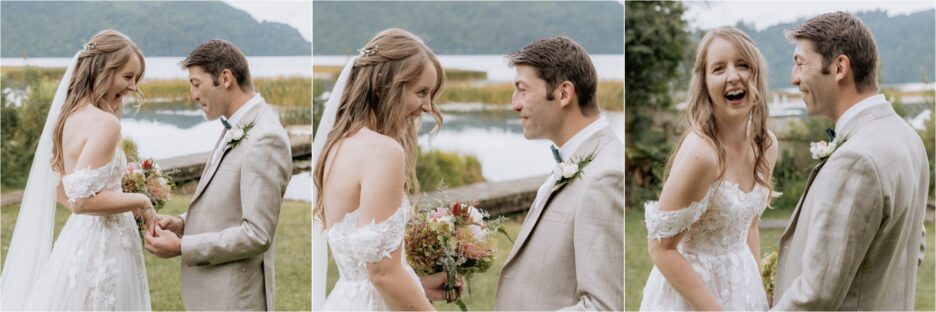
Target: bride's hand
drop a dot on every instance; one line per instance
(434, 285)
(148, 214)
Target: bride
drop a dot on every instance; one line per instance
(97, 260)
(703, 233)
(365, 167)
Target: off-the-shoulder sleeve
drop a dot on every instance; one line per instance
(85, 183)
(374, 241)
(666, 224)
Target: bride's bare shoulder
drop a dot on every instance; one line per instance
(94, 122)
(92, 136)
(697, 152)
(369, 149)
(376, 148)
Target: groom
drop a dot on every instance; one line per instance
(569, 252)
(854, 240)
(226, 237)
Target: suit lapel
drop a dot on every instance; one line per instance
(534, 215)
(207, 175)
(792, 223)
(593, 143)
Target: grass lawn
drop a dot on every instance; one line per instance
(482, 286)
(293, 256)
(638, 264)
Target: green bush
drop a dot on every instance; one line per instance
(456, 170)
(129, 148)
(22, 125)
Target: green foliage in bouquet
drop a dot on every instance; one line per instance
(769, 273)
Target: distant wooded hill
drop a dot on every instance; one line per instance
(340, 28)
(159, 28)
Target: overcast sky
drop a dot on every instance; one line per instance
(763, 14)
(295, 13)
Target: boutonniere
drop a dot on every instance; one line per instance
(237, 134)
(822, 150)
(567, 171)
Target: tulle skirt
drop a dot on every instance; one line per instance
(96, 264)
(733, 278)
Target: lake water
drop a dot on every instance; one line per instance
(491, 133)
(494, 135)
(168, 67)
(169, 133)
(608, 66)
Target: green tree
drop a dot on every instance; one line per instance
(655, 42)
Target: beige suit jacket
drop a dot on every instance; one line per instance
(569, 252)
(227, 245)
(854, 239)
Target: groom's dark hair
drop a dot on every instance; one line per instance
(841, 33)
(559, 59)
(215, 55)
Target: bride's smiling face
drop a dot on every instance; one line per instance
(727, 77)
(417, 94)
(124, 81)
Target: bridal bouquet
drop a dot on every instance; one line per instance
(769, 273)
(454, 238)
(146, 177)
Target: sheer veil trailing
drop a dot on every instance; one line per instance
(319, 241)
(31, 244)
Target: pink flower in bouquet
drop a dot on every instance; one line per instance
(439, 213)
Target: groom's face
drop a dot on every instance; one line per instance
(817, 88)
(212, 98)
(541, 118)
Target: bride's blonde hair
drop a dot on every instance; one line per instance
(373, 99)
(700, 117)
(95, 69)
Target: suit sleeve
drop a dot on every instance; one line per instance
(598, 242)
(265, 173)
(846, 210)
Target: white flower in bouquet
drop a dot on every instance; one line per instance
(475, 215)
(478, 233)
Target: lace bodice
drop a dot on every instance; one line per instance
(85, 183)
(353, 247)
(715, 246)
(717, 223)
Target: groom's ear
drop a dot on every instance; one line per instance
(227, 78)
(566, 93)
(841, 67)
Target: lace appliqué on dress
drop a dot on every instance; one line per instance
(374, 241)
(666, 224)
(85, 183)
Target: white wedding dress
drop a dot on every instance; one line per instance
(715, 245)
(97, 261)
(353, 247)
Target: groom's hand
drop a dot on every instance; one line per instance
(163, 243)
(174, 224)
(434, 285)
